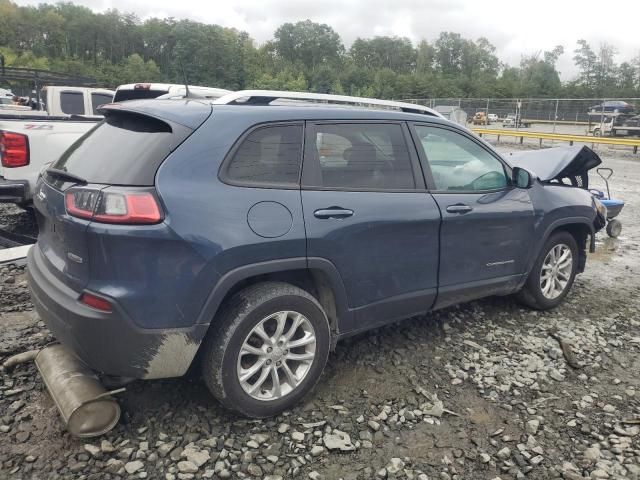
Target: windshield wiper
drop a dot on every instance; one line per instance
(69, 176)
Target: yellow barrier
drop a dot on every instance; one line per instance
(630, 142)
(559, 122)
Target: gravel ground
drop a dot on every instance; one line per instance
(17, 220)
(478, 391)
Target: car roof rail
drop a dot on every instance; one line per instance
(265, 97)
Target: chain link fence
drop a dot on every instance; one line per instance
(596, 117)
(567, 111)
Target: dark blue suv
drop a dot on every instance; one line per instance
(253, 236)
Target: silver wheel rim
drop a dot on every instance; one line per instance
(276, 356)
(556, 271)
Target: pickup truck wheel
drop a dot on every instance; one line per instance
(553, 273)
(266, 349)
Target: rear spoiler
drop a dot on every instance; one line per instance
(188, 113)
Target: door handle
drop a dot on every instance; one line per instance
(333, 212)
(459, 208)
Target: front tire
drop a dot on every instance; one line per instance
(552, 274)
(266, 349)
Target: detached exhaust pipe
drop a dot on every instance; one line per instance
(87, 409)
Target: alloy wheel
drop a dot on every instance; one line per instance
(276, 355)
(556, 271)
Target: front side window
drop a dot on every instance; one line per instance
(269, 155)
(458, 163)
(360, 156)
(72, 103)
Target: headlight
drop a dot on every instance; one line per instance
(601, 209)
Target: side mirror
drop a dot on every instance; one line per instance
(522, 178)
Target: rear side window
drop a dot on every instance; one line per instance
(72, 103)
(269, 155)
(359, 156)
(98, 99)
(123, 149)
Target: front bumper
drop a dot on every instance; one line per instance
(109, 343)
(14, 191)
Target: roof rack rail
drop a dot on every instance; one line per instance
(265, 97)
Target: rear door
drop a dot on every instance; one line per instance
(487, 224)
(367, 211)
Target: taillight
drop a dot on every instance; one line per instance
(81, 202)
(14, 149)
(138, 207)
(96, 302)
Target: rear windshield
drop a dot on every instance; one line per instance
(123, 149)
(137, 94)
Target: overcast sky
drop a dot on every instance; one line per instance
(515, 27)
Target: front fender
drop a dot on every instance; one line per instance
(553, 226)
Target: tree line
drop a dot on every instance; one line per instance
(116, 48)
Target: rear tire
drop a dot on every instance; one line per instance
(552, 274)
(249, 364)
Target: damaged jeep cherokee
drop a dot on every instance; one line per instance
(252, 236)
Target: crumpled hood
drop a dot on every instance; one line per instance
(556, 163)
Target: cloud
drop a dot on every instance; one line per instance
(515, 28)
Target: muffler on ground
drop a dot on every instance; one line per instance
(87, 409)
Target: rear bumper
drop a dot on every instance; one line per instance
(14, 191)
(109, 343)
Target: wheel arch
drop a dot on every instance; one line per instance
(319, 277)
(580, 228)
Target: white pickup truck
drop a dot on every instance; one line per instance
(31, 139)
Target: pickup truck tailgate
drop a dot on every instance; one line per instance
(48, 138)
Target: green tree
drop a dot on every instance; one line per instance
(308, 44)
(539, 78)
(115, 46)
(425, 57)
(135, 69)
(394, 53)
(585, 59)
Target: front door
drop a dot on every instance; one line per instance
(487, 224)
(367, 211)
